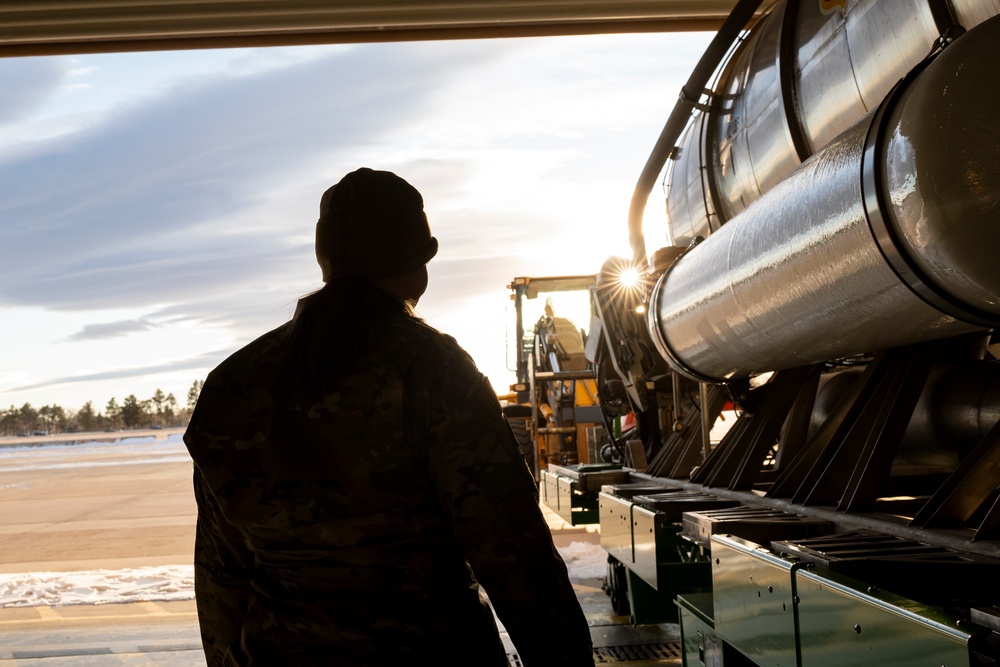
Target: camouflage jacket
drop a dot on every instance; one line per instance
(344, 529)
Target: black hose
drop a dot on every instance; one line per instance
(609, 427)
(730, 30)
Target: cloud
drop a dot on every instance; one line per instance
(109, 330)
(175, 195)
(201, 361)
(27, 83)
(168, 273)
(193, 208)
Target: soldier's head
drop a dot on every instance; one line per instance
(372, 227)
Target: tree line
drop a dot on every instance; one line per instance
(159, 411)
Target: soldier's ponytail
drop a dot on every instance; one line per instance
(336, 326)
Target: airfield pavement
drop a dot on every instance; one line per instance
(112, 514)
(100, 515)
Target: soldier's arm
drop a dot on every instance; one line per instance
(482, 482)
(222, 570)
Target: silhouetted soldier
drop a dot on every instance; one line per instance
(353, 464)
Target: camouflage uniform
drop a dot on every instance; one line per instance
(340, 529)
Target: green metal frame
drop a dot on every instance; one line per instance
(754, 601)
(844, 622)
(563, 496)
(700, 643)
(660, 565)
(779, 612)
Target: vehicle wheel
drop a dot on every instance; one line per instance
(523, 436)
(618, 587)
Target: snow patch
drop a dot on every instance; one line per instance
(167, 583)
(585, 560)
(176, 582)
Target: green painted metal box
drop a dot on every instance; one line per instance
(650, 534)
(562, 495)
(754, 608)
(616, 526)
(700, 642)
(781, 612)
(548, 490)
(843, 622)
(657, 559)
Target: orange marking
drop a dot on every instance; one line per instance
(830, 6)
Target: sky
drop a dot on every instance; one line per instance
(157, 210)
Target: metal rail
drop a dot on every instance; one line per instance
(948, 540)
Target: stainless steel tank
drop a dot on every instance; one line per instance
(807, 73)
(886, 237)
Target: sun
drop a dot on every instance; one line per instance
(629, 278)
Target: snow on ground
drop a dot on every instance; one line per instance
(176, 582)
(114, 451)
(585, 560)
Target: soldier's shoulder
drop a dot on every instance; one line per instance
(435, 346)
(233, 392)
(254, 358)
(440, 365)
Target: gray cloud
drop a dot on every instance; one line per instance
(201, 361)
(109, 330)
(143, 208)
(170, 272)
(196, 207)
(27, 83)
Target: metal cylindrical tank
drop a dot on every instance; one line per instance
(805, 74)
(877, 241)
(958, 407)
(941, 177)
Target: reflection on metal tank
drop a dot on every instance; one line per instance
(832, 262)
(807, 73)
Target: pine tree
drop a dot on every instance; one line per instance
(194, 392)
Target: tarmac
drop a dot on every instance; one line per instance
(122, 516)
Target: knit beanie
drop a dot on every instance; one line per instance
(372, 225)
